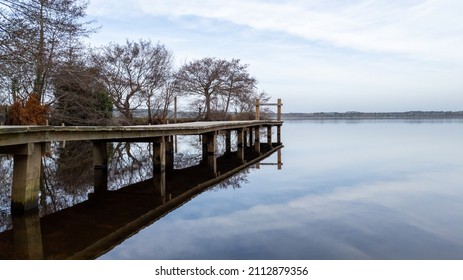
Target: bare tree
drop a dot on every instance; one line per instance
(158, 103)
(134, 75)
(221, 84)
(34, 36)
(205, 78)
(238, 86)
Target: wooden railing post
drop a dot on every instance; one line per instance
(175, 109)
(257, 109)
(279, 109)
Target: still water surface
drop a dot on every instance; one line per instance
(347, 190)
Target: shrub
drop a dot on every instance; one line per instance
(30, 112)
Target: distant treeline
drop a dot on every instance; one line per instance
(388, 115)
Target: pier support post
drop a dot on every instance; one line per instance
(100, 166)
(170, 153)
(257, 139)
(279, 134)
(159, 165)
(227, 141)
(203, 139)
(26, 178)
(269, 136)
(209, 147)
(241, 144)
(251, 136)
(27, 236)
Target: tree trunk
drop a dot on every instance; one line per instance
(150, 113)
(39, 67)
(207, 117)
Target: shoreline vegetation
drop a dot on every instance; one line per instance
(140, 115)
(374, 115)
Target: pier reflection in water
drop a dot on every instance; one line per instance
(74, 222)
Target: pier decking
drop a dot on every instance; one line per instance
(17, 135)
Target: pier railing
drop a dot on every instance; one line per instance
(278, 105)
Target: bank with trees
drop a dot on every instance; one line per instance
(46, 69)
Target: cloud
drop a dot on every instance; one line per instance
(421, 29)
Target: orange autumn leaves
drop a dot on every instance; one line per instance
(28, 112)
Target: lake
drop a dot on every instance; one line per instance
(385, 189)
(366, 189)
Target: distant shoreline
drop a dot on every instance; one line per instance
(374, 116)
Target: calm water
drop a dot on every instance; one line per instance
(347, 190)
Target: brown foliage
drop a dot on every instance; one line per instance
(30, 112)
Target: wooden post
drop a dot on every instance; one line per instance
(26, 178)
(269, 136)
(279, 109)
(241, 144)
(211, 145)
(279, 134)
(203, 138)
(100, 167)
(257, 139)
(159, 165)
(257, 109)
(279, 159)
(227, 141)
(175, 109)
(251, 137)
(170, 153)
(175, 144)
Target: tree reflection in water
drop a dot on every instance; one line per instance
(67, 171)
(129, 163)
(188, 151)
(234, 181)
(67, 176)
(6, 178)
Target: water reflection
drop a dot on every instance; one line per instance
(6, 166)
(348, 190)
(67, 176)
(74, 222)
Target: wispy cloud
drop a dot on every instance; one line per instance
(423, 29)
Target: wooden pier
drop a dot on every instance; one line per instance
(29, 143)
(91, 228)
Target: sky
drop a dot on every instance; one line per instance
(316, 55)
